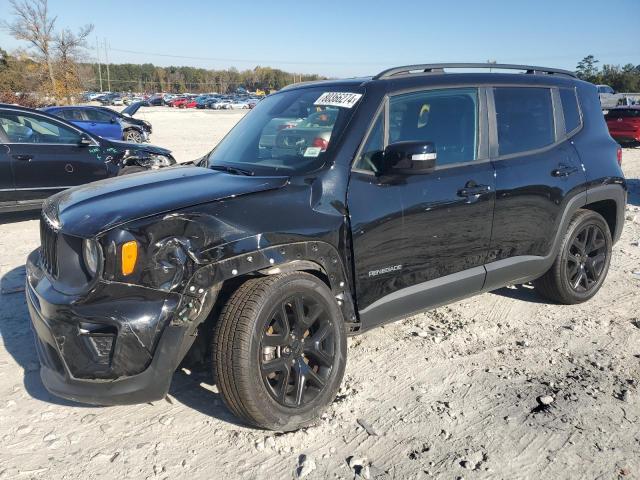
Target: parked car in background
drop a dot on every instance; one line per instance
(609, 98)
(239, 104)
(155, 101)
(41, 154)
(106, 122)
(624, 124)
(268, 260)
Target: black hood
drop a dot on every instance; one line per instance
(90, 209)
(132, 109)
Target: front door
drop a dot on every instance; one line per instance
(46, 156)
(422, 239)
(7, 189)
(102, 123)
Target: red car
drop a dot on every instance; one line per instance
(177, 102)
(183, 103)
(624, 124)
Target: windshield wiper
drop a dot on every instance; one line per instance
(233, 170)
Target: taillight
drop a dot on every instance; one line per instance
(320, 142)
(619, 154)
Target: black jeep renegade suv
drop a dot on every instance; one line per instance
(331, 208)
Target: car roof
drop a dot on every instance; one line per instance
(437, 74)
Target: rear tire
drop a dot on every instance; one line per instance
(582, 263)
(279, 351)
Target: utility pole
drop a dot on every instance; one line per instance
(99, 66)
(106, 56)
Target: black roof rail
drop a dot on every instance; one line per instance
(439, 68)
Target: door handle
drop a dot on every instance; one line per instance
(24, 158)
(472, 190)
(563, 171)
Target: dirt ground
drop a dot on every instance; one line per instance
(448, 394)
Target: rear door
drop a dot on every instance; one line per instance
(103, 123)
(46, 156)
(537, 172)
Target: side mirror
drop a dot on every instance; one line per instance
(113, 120)
(85, 140)
(409, 158)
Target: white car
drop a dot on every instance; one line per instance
(239, 105)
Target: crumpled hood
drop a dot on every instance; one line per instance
(140, 147)
(88, 210)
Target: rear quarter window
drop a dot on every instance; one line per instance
(570, 109)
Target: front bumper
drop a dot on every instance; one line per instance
(113, 345)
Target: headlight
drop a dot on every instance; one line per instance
(92, 256)
(158, 161)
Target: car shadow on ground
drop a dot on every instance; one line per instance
(194, 390)
(16, 334)
(15, 217)
(526, 293)
(634, 191)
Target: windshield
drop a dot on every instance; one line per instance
(289, 132)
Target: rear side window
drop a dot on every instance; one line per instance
(71, 114)
(524, 117)
(570, 109)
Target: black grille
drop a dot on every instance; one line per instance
(49, 247)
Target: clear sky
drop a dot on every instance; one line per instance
(352, 38)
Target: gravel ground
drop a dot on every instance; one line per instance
(499, 386)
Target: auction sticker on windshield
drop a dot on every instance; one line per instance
(338, 99)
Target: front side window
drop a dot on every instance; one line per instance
(290, 132)
(373, 146)
(524, 118)
(23, 128)
(570, 109)
(447, 118)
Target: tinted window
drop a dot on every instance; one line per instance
(94, 115)
(448, 118)
(374, 145)
(291, 131)
(570, 109)
(524, 119)
(71, 114)
(21, 128)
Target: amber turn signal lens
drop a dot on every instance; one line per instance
(129, 257)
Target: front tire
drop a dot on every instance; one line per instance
(132, 136)
(279, 350)
(582, 263)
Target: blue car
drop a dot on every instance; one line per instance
(92, 119)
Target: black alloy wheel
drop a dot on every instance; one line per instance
(279, 350)
(586, 258)
(297, 351)
(582, 261)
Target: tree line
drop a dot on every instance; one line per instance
(146, 77)
(624, 78)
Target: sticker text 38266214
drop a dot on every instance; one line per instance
(338, 99)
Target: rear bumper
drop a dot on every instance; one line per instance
(105, 348)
